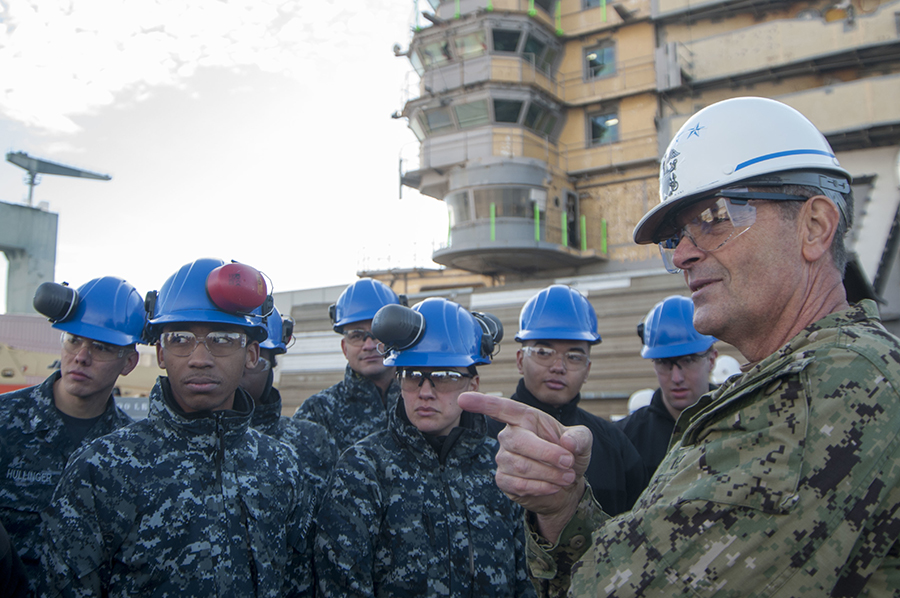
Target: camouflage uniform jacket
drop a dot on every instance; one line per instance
(180, 504)
(351, 409)
(398, 522)
(34, 449)
(785, 482)
(315, 447)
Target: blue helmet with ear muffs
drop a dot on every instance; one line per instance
(436, 333)
(108, 309)
(280, 332)
(210, 291)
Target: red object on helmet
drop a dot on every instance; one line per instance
(236, 288)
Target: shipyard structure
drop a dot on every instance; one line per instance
(541, 125)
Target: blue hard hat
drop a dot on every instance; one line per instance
(669, 330)
(280, 331)
(558, 313)
(434, 333)
(184, 298)
(361, 301)
(107, 309)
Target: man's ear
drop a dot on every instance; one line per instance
(159, 356)
(519, 356)
(252, 355)
(130, 362)
(819, 221)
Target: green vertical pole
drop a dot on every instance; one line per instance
(456, 16)
(490, 6)
(559, 29)
(584, 233)
(603, 5)
(565, 230)
(416, 12)
(493, 224)
(531, 10)
(537, 224)
(603, 236)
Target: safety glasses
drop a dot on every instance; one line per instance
(545, 356)
(219, 343)
(711, 223)
(358, 337)
(441, 380)
(73, 344)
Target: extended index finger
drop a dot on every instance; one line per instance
(497, 408)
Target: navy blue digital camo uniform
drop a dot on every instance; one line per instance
(181, 504)
(351, 409)
(34, 448)
(315, 447)
(400, 519)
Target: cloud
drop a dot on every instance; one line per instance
(60, 59)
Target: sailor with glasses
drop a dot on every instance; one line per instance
(190, 501)
(557, 328)
(413, 511)
(785, 481)
(683, 360)
(357, 405)
(100, 324)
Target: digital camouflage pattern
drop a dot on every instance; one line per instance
(351, 409)
(316, 449)
(397, 523)
(181, 504)
(785, 482)
(34, 448)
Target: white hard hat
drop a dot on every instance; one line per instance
(730, 142)
(726, 367)
(638, 399)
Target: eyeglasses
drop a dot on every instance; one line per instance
(357, 337)
(73, 345)
(441, 380)
(684, 362)
(546, 357)
(219, 343)
(727, 218)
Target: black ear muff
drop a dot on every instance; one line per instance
(150, 302)
(56, 301)
(398, 327)
(332, 309)
(640, 332)
(404, 300)
(493, 332)
(287, 331)
(268, 306)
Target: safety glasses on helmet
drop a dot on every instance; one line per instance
(182, 343)
(441, 380)
(73, 344)
(714, 221)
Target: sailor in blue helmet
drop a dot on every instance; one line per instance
(357, 405)
(413, 511)
(190, 501)
(314, 445)
(683, 360)
(43, 425)
(557, 328)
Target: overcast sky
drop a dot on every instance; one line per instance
(253, 130)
